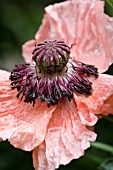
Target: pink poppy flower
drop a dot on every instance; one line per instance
(62, 96)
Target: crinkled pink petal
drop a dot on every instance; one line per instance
(39, 157)
(100, 102)
(66, 139)
(83, 23)
(22, 124)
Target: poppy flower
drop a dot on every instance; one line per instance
(49, 104)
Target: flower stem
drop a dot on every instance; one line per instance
(95, 158)
(102, 146)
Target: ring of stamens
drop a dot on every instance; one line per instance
(50, 79)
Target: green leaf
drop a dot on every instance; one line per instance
(95, 158)
(110, 2)
(107, 164)
(102, 146)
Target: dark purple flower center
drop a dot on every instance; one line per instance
(51, 56)
(51, 75)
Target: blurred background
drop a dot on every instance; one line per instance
(19, 21)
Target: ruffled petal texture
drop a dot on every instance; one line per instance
(22, 124)
(99, 103)
(61, 133)
(80, 22)
(66, 139)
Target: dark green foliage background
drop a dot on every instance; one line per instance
(19, 21)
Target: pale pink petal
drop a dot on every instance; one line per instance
(100, 102)
(1, 139)
(39, 157)
(24, 125)
(66, 139)
(94, 36)
(83, 23)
